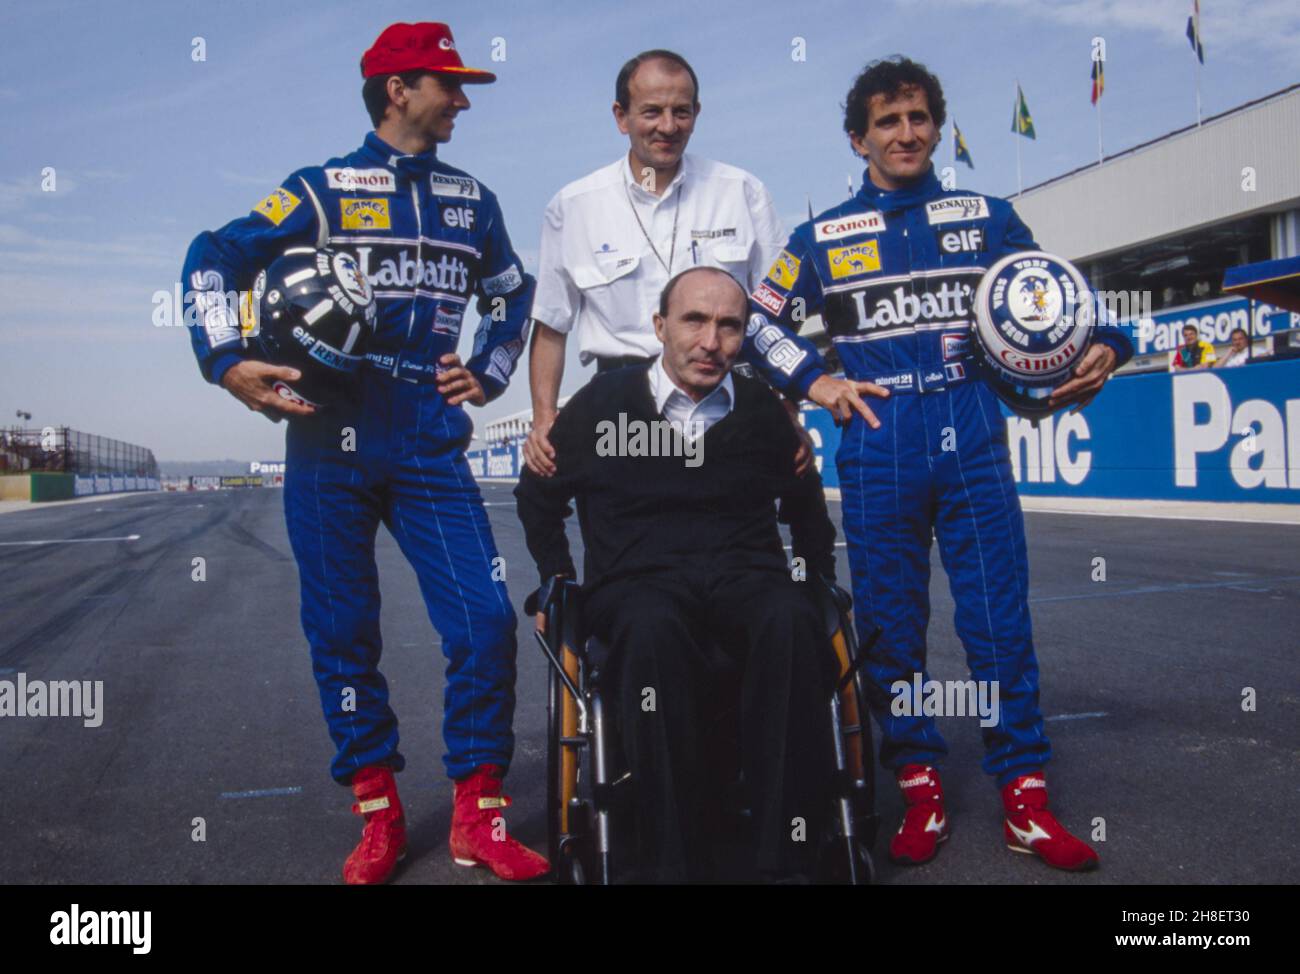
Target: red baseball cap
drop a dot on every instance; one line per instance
(413, 47)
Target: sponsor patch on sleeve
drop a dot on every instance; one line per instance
(848, 226)
(855, 259)
(955, 346)
(951, 209)
(503, 283)
(365, 180)
(966, 240)
(766, 298)
(277, 206)
(465, 187)
(364, 214)
(784, 270)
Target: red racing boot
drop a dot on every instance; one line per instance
(925, 823)
(1030, 827)
(383, 840)
(478, 831)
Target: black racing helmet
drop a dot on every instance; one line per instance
(312, 309)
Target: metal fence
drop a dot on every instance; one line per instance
(64, 450)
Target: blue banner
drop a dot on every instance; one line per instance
(1211, 435)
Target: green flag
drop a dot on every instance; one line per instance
(1021, 121)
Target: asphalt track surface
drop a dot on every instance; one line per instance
(210, 710)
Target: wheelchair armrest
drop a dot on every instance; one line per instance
(546, 595)
(842, 600)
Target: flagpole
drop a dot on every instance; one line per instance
(1100, 154)
(1198, 89)
(1020, 184)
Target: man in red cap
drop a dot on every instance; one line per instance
(430, 238)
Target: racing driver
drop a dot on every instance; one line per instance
(893, 272)
(430, 238)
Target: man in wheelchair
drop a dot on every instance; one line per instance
(677, 467)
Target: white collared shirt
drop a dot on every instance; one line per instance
(691, 418)
(597, 270)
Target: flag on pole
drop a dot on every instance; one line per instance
(1021, 121)
(1194, 31)
(960, 151)
(1098, 79)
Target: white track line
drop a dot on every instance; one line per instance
(127, 537)
(1158, 517)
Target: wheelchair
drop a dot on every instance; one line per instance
(587, 786)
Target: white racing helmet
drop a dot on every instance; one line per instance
(1034, 316)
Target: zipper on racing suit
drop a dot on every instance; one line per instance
(419, 263)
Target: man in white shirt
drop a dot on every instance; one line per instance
(612, 240)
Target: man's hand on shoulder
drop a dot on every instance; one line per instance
(803, 456)
(539, 455)
(458, 383)
(843, 397)
(251, 382)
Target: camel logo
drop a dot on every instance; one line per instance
(277, 206)
(365, 214)
(784, 270)
(855, 259)
(952, 209)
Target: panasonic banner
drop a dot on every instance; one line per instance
(1209, 435)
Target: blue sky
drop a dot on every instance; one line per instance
(149, 147)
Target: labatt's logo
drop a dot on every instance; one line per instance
(447, 273)
(949, 302)
(848, 226)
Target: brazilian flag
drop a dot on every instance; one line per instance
(1021, 121)
(961, 153)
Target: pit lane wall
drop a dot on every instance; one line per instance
(1217, 435)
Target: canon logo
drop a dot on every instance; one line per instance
(1038, 363)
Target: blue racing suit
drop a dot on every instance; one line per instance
(893, 275)
(429, 238)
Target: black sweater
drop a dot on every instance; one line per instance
(643, 514)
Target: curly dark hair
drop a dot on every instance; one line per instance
(888, 77)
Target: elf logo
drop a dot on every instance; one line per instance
(458, 217)
(970, 241)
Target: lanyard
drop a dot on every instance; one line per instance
(677, 211)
